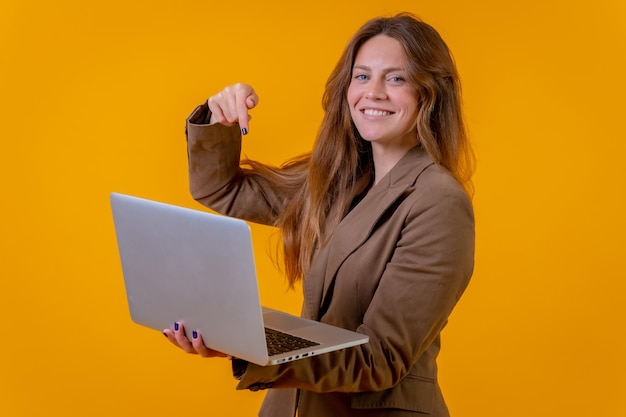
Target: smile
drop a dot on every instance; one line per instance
(378, 113)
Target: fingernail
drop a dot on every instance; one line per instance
(165, 334)
(244, 131)
(195, 334)
(176, 326)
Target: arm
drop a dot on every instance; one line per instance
(426, 274)
(217, 180)
(215, 176)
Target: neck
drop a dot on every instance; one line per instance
(386, 158)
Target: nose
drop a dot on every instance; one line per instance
(376, 90)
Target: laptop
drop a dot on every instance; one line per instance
(198, 268)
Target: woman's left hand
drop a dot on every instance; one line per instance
(194, 346)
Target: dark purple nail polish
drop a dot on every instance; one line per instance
(195, 334)
(244, 131)
(176, 326)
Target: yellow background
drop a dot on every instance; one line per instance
(94, 95)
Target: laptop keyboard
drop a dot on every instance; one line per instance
(279, 342)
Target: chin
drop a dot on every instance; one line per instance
(369, 136)
(373, 138)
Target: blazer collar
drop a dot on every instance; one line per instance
(358, 224)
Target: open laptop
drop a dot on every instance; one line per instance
(198, 268)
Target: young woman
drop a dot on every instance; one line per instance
(376, 221)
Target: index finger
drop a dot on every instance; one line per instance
(248, 102)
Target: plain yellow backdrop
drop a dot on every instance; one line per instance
(93, 99)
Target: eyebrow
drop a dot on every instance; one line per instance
(390, 69)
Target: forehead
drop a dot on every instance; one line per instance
(382, 51)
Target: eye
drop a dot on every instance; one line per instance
(396, 79)
(360, 77)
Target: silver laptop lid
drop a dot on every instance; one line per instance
(173, 266)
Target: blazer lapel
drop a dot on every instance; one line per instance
(357, 226)
(313, 284)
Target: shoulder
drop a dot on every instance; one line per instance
(417, 171)
(437, 201)
(434, 183)
(427, 187)
(438, 182)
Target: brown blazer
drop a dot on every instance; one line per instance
(394, 269)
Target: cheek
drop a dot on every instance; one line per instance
(351, 96)
(406, 96)
(410, 104)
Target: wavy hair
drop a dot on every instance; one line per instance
(322, 183)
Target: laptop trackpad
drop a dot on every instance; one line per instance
(283, 321)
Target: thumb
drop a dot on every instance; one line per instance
(251, 101)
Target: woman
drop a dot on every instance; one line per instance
(376, 221)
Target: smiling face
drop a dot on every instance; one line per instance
(383, 104)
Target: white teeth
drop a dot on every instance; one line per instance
(372, 112)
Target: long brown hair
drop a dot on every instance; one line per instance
(322, 183)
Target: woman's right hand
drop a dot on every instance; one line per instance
(231, 106)
(194, 346)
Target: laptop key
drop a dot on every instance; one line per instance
(279, 342)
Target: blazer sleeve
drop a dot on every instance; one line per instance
(428, 271)
(216, 179)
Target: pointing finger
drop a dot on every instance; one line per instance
(249, 102)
